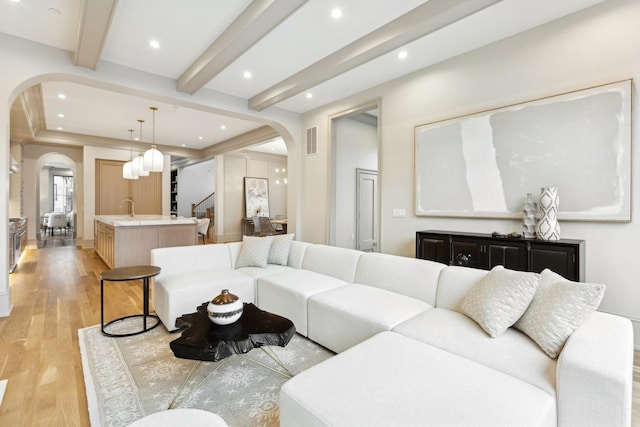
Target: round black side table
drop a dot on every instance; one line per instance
(124, 274)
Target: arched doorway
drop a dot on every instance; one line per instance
(56, 184)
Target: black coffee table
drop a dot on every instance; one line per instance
(203, 340)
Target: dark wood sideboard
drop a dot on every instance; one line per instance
(564, 256)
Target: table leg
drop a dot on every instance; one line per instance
(145, 302)
(102, 305)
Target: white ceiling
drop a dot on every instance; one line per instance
(307, 51)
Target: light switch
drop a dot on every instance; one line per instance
(399, 213)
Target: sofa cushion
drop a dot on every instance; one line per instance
(512, 352)
(412, 277)
(558, 308)
(286, 293)
(183, 259)
(254, 251)
(339, 263)
(343, 317)
(279, 252)
(454, 283)
(498, 300)
(182, 293)
(392, 380)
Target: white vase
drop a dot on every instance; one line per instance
(225, 309)
(529, 216)
(547, 227)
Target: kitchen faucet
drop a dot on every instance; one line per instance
(133, 206)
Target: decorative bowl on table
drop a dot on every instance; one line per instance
(225, 309)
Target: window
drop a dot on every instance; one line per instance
(62, 193)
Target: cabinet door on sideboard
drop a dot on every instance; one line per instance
(511, 254)
(562, 259)
(433, 247)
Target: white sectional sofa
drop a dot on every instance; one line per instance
(407, 355)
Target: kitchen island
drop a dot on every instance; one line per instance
(123, 241)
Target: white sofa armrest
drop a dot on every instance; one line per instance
(594, 375)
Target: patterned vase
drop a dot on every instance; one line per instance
(547, 227)
(529, 216)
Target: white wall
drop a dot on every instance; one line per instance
(195, 182)
(356, 146)
(597, 46)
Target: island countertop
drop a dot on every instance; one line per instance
(138, 220)
(123, 240)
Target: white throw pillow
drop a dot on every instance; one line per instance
(279, 252)
(498, 300)
(559, 307)
(254, 251)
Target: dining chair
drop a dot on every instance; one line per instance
(56, 220)
(203, 228)
(262, 226)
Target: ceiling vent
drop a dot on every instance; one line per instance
(312, 141)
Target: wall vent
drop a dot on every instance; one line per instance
(312, 141)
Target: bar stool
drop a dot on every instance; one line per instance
(124, 274)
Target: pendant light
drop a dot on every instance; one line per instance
(153, 159)
(138, 162)
(127, 169)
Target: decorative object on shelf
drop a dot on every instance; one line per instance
(529, 216)
(547, 227)
(153, 159)
(225, 309)
(128, 171)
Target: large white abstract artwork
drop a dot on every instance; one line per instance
(484, 164)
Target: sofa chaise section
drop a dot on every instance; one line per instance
(392, 380)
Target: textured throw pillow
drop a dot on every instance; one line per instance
(558, 308)
(254, 251)
(279, 252)
(498, 300)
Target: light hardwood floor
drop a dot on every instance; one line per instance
(55, 292)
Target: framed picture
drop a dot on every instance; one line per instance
(256, 197)
(484, 164)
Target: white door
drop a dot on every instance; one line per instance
(366, 210)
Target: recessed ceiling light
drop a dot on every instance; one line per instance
(59, 128)
(309, 95)
(200, 138)
(402, 54)
(183, 145)
(223, 127)
(62, 96)
(16, 1)
(61, 115)
(247, 74)
(137, 138)
(154, 44)
(336, 13)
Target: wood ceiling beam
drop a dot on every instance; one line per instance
(95, 20)
(256, 21)
(419, 22)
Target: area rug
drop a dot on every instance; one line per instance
(130, 377)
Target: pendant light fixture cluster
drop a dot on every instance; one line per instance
(151, 161)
